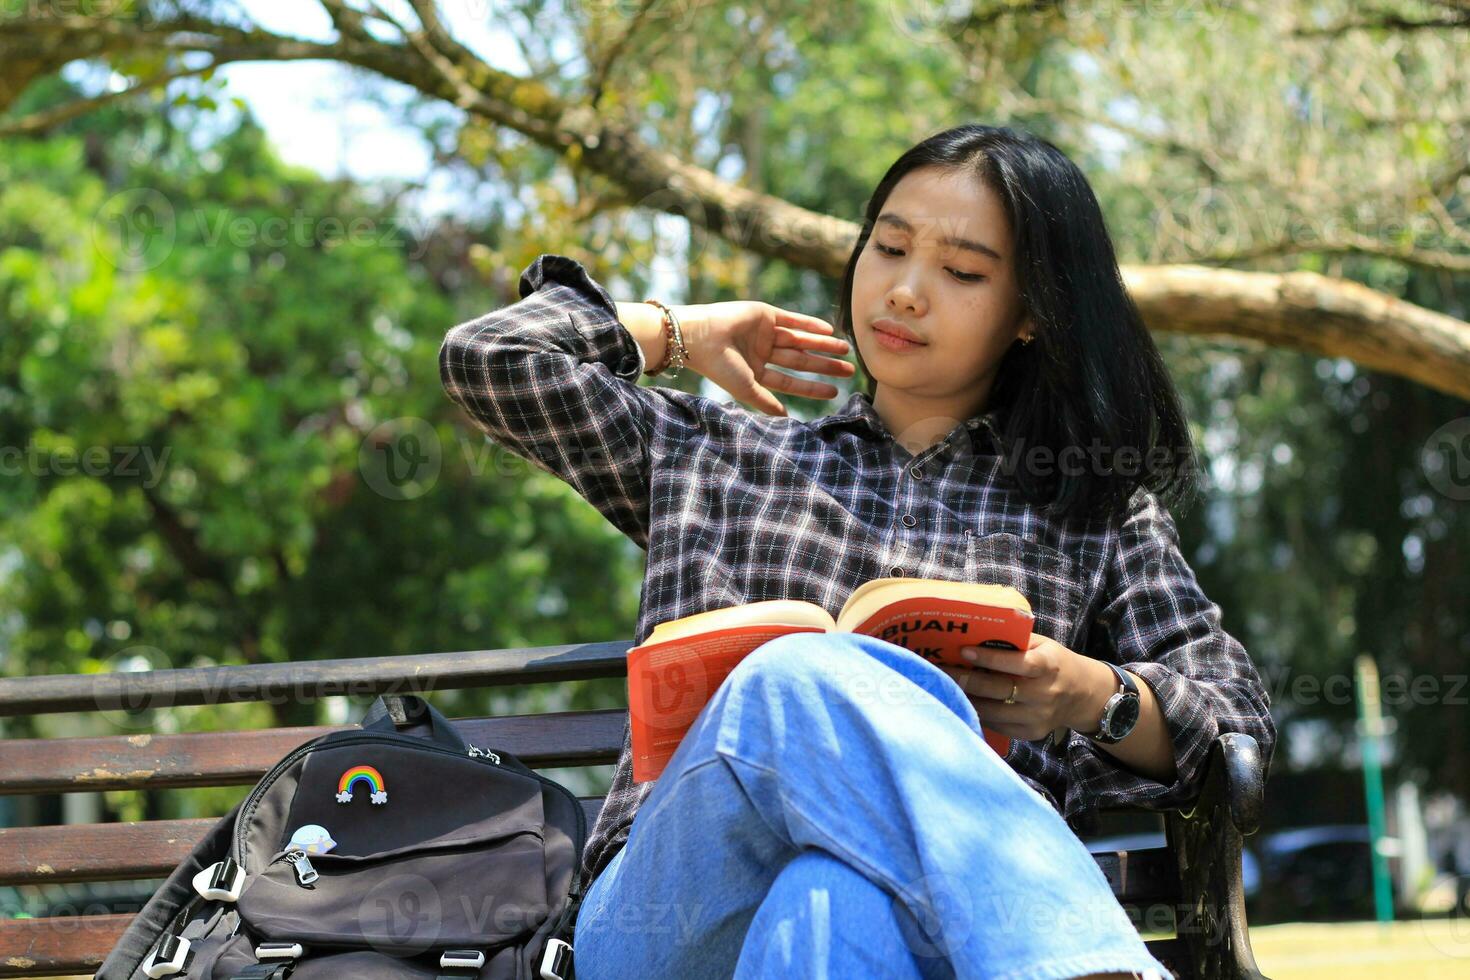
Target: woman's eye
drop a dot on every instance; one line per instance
(961, 276)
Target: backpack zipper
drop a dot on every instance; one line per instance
(300, 863)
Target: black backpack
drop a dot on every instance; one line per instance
(398, 851)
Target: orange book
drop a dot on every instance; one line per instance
(674, 672)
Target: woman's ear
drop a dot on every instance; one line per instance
(1026, 332)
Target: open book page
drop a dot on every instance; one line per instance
(935, 618)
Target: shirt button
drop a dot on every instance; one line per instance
(896, 572)
(909, 520)
(917, 473)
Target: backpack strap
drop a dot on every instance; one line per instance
(219, 882)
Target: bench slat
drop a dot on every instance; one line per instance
(306, 679)
(57, 947)
(1141, 876)
(65, 765)
(118, 851)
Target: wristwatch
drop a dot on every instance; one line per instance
(1121, 712)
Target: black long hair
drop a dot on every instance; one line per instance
(1092, 376)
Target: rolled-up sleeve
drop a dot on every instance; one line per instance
(554, 378)
(1156, 622)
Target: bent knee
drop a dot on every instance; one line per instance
(807, 658)
(861, 667)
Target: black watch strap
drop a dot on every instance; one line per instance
(1126, 685)
(1125, 679)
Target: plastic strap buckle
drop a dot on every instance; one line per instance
(556, 960)
(220, 882)
(456, 964)
(171, 956)
(279, 951)
(462, 959)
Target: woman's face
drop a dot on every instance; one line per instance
(938, 262)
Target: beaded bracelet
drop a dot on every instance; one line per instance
(676, 355)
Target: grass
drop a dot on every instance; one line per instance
(1427, 949)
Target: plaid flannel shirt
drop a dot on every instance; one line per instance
(736, 506)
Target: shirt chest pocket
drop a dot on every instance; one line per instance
(1045, 576)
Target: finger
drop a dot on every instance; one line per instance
(997, 717)
(982, 685)
(779, 381)
(761, 399)
(800, 361)
(786, 337)
(1005, 661)
(790, 318)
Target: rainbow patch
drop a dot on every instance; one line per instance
(377, 789)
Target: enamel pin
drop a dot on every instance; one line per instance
(313, 838)
(347, 785)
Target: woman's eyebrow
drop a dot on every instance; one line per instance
(888, 217)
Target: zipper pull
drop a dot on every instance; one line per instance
(474, 751)
(305, 873)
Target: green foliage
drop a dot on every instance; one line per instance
(197, 345)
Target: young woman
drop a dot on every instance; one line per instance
(835, 810)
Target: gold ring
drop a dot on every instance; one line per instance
(1012, 698)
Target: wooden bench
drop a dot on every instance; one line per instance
(1192, 886)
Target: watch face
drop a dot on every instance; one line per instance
(1123, 717)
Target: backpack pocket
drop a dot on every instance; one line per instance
(406, 900)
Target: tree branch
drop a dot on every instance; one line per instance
(1308, 312)
(40, 122)
(1457, 16)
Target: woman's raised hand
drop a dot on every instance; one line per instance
(739, 344)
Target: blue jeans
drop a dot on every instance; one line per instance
(835, 812)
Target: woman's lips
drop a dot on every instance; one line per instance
(889, 341)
